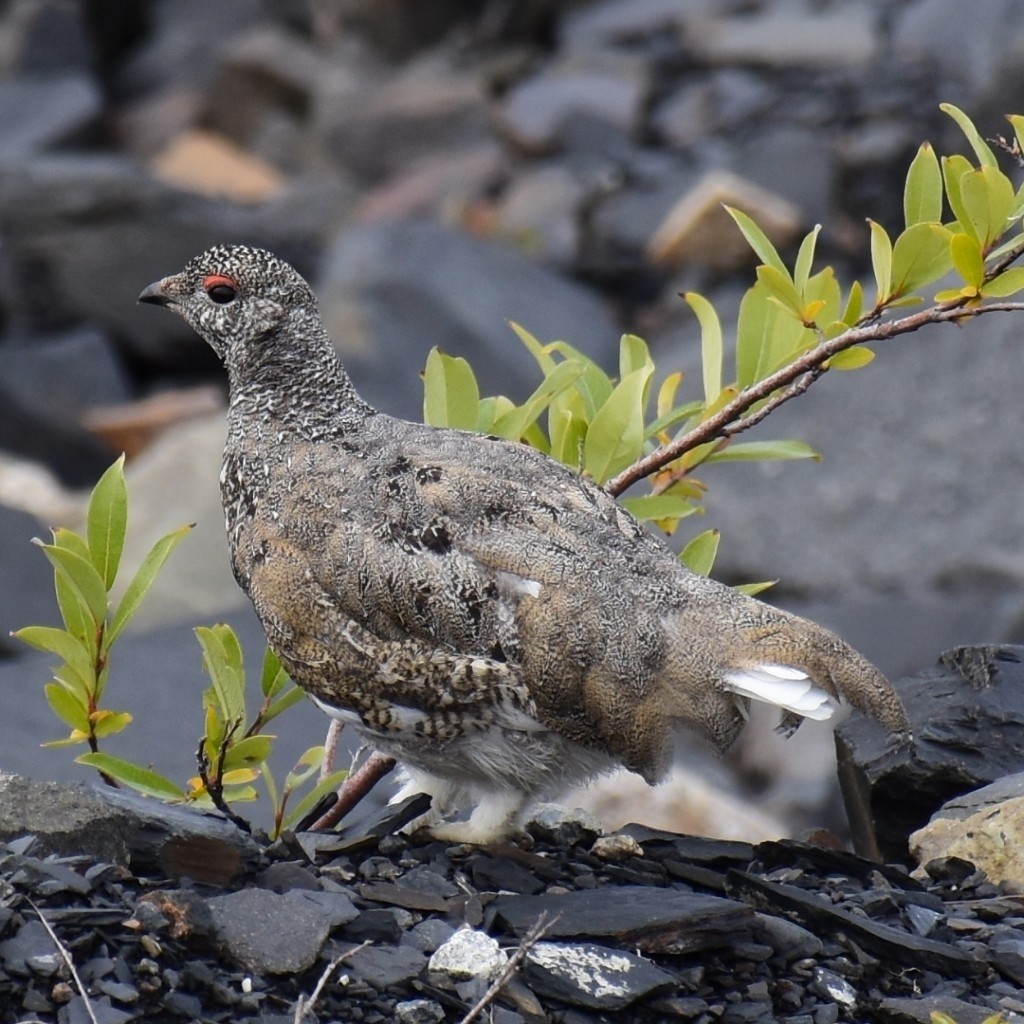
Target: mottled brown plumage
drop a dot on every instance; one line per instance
(492, 619)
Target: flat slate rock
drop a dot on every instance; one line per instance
(271, 933)
(653, 920)
(585, 974)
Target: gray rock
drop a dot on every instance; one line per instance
(568, 825)
(469, 954)
(26, 597)
(618, 21)
(967, 718)
(40, 113)
(790, 940)
(919, 1009)
(385, 967)
(965, 46)
(892, 507)
(796, 163)
(793, 33)
(375, 126)
(388, 292)
(541, 211)
(270, 933)
(538, 110)
(61, 376)
(584, 974)
(46, 37)
(419, 1011)
(31, 950)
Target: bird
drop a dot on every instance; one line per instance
(486, 615)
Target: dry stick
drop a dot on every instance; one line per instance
(62, 949)
(354, 788)
(304, 1005)
(331, 747)
(794, 378)
(530, 939)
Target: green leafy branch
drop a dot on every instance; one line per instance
(234, 750)
(794, 325)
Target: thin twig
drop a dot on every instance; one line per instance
(530, 939)
(215, 790)
(727, 421)
(354, 788)
(62, 949)
(304, 1005)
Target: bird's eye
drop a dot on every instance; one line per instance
(222, 293)
(220, 289)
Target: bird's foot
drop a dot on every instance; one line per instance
(494, 818)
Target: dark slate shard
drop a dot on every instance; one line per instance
(403, 896)
(652, 920)
(585, 974)
(424, 879)
(922, 919)
(495, 874)
(337, 907)
(384, 967)
(367, 833)
(30, 949)
(429, 934)
(790, 940)
(954, 708)
(376, 925)
(919, 1010)
(878, 939)
(99, 1011)
(699, 849)
(1008, 957)
(270, 933)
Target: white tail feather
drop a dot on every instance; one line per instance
(785, 687)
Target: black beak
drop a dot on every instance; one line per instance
(154, 294)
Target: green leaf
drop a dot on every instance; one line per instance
(288, 699)
(851, 358)
(616, 434)
(568, 433)
(535, 348)
(854, 305)
(82, 577)
(272, 673)
(647, 507)
(222, 661)
(881, 262)
(108, 723)
(1009, 282)
(306, 766)
(805, 259)
(780, 286)
(953, 170)
(758, 240)
(757, 451)
(672, 417)
(249, 752)
(753, 589)
(922, 194)
(142, 581)
(451, 397)
(920, 255)
(699, 554)
(967, 259)
(313, 797)
(633, 355)
(73, 609)
(65, 645)
(67, 707)
(981, 148)
(988, 199)
(141, 779)
(106, 522)
(595, 386)
(711, 347)
(514, 423)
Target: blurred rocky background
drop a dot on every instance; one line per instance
(435, 170)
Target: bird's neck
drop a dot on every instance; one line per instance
(300, 387)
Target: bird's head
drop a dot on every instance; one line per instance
(234, 296)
